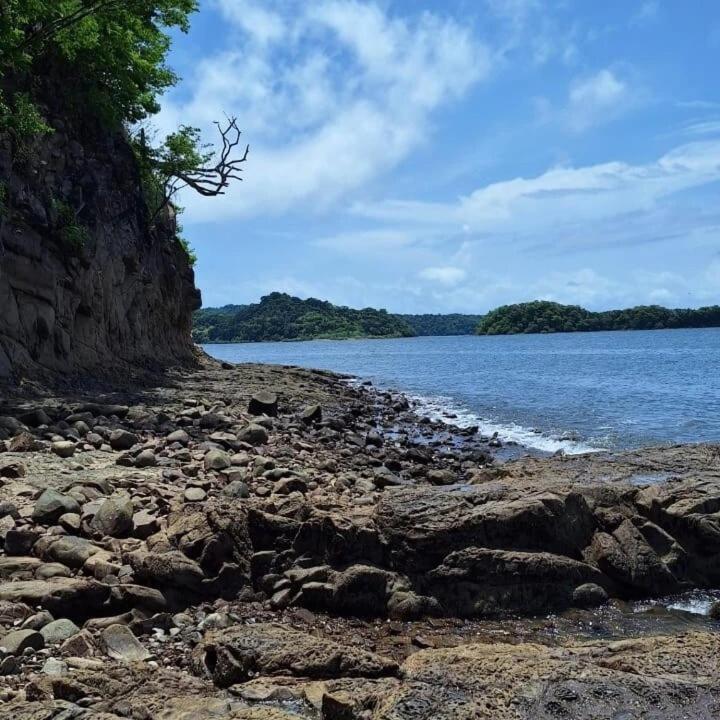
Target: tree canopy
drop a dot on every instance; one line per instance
(281, 317)
(549, 317)
(109, 55)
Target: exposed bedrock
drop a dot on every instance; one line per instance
(86, 286)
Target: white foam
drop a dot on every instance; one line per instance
(696, 606)
(438, 408)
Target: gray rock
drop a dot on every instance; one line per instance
(70, 522)
(37, 621)
(145, 524)
(121, 644)
(715, 611)
(122, 439)
(254, 434)
(146, 459)
(54, 667)
(589, 595)
(51, 570)
(51, 505)
(217, 460)
(311, 414)
(63, 448)
(263, 403)
(58, 631)
(17, 641)
(179, 436)
(114, 517)
(12, 469)
(72, 551)
(236, 489)
(195, 494)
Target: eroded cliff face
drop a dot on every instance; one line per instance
(86, 286)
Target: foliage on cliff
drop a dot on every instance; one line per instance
(550, 317)
(110, 55)
(436, 325)
(281, 317)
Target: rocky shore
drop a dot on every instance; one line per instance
(258, 542)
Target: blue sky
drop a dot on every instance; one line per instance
(454, 156)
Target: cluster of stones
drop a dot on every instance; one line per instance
(127, 530)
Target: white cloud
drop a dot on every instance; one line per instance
(258, 22)
(330, 94)
(596, 99)
(563, 201)
(443, 275)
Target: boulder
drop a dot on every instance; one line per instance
(63, 597)
(478, 582)
(51, 505)
(311, 414)
(122, 439)
(217, 460)
(63, 448)
(263, 403)
(17, 641)
(254, 434)
(58, 631)
(114, 517)
(121, 644)
(236, 654)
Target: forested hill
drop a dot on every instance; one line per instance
(434, 325)
(281, 317)
(550, 317)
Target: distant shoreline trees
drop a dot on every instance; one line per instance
(549, 317)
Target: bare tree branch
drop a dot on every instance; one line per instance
(212, 181)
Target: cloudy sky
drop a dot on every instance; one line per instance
(454, 155)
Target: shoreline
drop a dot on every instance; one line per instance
(286, 510)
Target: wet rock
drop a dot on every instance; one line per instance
(17, 641)
(715, 611)
(239, 653)
(121, 644)
(122, 439)
(589, 595)
(410, 606)
(51, 505)
(114, 517)
(35, 418)
(482, 582)
(254, 434)
(263, 403)
(58, 631)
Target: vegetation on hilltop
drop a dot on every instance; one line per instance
(436, 325)
(104, 61)
(549, 317)
(279, 316)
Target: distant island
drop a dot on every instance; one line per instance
(549, 317)
(279, 316)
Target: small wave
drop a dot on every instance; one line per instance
(445, 409)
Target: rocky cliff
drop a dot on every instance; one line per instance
(86, 286)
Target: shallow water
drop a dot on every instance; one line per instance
(576, 392)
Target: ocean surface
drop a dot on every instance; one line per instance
(576, 392)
